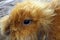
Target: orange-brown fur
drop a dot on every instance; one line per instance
(54, 34)
(44, 25)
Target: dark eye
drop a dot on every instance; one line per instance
(27, 21)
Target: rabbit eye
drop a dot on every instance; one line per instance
(27, 21)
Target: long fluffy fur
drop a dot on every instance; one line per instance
(44, 25)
